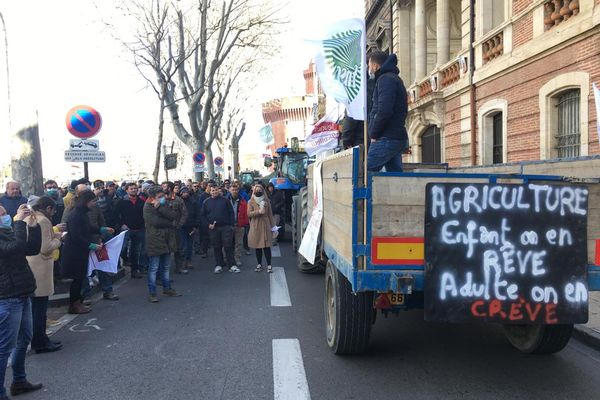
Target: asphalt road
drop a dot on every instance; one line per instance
(222, 339)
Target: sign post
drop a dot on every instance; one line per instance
(511, 254)
(219, 164)
(84, 122)
(199, 159)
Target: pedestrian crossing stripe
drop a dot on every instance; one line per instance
(397, 251)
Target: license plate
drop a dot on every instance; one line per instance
(396, 298)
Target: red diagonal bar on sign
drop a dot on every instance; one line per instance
(80, 118)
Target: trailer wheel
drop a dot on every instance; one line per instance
(539, 339)
(348, 316)
(296, 216)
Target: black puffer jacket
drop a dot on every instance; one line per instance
(387, 116)
(16, 278)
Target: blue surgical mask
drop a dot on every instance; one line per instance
(162, 201)
(5, 221)
(52, 192)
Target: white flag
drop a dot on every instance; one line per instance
(597, 97)
(113, 248)
(341, 65)
(324, 136)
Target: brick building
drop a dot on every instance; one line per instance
(529, 95)
(293, 116)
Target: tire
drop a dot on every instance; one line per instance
(307, 268)
(296, 215)
(348, 316)
(539, 339)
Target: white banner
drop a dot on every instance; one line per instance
(308, 247)
(113, 248)
(341, 65)
(324, 137)
(597, 97)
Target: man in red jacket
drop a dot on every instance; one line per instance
(240, 211)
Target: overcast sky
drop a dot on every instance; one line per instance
(61, 55)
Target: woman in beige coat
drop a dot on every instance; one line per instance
(260, 236)
(42, 266)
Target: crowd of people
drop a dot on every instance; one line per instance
(48, 238)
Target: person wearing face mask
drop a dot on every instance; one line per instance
(79, 241)
(17, 283)
(218, 217)
(262, 222)
(160, 221)
(189, 228)
(52, 191)
(42, 266)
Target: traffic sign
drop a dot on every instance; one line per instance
(83, 122)
(218, 161)
(199, 168)
(219, 169)
(84, 144)
(199, 158)
(85, 156)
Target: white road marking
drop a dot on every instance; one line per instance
(275, 251)
(289, 378)
(280, 295)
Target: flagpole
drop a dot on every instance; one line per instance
(365, 140)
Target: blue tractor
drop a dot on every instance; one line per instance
(291, 165)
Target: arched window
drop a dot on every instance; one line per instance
(568, 135)
(564, 116)
(431, 145)
(492, 135)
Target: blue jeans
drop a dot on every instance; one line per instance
(187, 243)
(158, 264)
(104, 279)
(15, 335)
(386, 153)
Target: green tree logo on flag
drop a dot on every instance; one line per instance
(343, 54)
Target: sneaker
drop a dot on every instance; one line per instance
(182, 271)
(153, 298)
(18, 388)
(218, 269)
(110, 296)
(234, 269)
(171, 293)
(248, 253)
(269, 269)
(258, 268)
(239, 263)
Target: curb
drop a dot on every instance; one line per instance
(62, 299)
(587, 335)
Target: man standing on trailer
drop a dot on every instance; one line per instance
(387, 116)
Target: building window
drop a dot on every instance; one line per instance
(498, 142)
(492, 128)
(568, 136)
(431, 145)
(565, 115)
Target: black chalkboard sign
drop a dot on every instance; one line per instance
(513, 254)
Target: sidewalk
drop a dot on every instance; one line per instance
(590, 332)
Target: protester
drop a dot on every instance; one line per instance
(189, 228)
(240, 217)
(203, 233)
(79, 242)
(129, 216)
(17, 283)
(217, 215)
(13, 198)
(97, 221)
(52, 191)
(42, 266)
(176, 204)
(387, 117)
(70, 196)
(277, 199)
(260, 236)
(160, 220)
